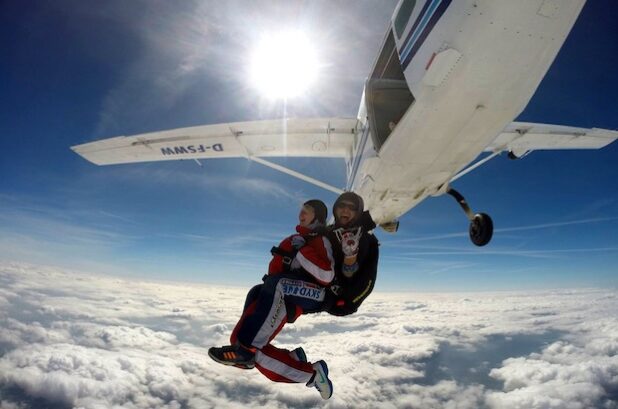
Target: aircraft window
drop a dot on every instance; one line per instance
(405, 11)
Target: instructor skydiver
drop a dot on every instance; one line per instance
(356, 254)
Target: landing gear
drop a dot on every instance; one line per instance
(481, 229)
(481, 225)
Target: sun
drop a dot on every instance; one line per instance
(284, 65)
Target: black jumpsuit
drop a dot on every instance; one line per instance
(347, 294)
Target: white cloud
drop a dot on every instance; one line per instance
(95, 341)
(575, 373)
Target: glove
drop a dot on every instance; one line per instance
(350, 242)
(340, 308)
(298, 241)
(349, 247)
(331, 299)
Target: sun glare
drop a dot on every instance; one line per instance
(284, 65)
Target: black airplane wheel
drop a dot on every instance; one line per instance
(481, 229)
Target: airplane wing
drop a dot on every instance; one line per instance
(318, 137)
(522, 137)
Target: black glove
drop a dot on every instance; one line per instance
(287, 256)
(335, 303)
(341, 308)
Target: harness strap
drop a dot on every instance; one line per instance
(288, 256)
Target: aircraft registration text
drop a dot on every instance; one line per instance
(180, 150)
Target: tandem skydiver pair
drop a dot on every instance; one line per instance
(319, 268)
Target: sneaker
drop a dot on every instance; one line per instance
(299, 354)
(320, 380)
(233, 355)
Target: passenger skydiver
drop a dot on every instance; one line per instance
(301, 268)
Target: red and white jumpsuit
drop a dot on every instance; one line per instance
(282, 298)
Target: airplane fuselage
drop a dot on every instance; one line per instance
(470, 68)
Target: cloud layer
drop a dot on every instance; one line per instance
(69, 339)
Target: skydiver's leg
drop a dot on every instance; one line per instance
(282, 365)
(248, 309)
(266, 318)
(252, 295)
(281, 299)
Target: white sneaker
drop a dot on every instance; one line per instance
(321, 381)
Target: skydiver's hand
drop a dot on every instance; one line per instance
(341, 308)
(298, 241)
(331, 298)
(350, 242)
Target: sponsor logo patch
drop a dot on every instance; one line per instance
(302, 289)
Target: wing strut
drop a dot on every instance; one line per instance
(295, 174)
(476, 165)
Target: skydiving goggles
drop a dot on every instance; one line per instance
(347, 205)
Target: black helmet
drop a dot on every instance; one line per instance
(352, 198)
(319, 208)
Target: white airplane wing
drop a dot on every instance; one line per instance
(318, 137)
(522, 137)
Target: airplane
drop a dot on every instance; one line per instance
(439, 102)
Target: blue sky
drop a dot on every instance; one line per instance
(72, 73)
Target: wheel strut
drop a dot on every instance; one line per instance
(481, 226)
(462, 202)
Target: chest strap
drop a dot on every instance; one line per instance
(288, 256)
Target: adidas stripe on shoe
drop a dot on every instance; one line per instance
(233, 355)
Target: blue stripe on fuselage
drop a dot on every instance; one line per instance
(419, 25)
(416, 23)
(424, 30)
